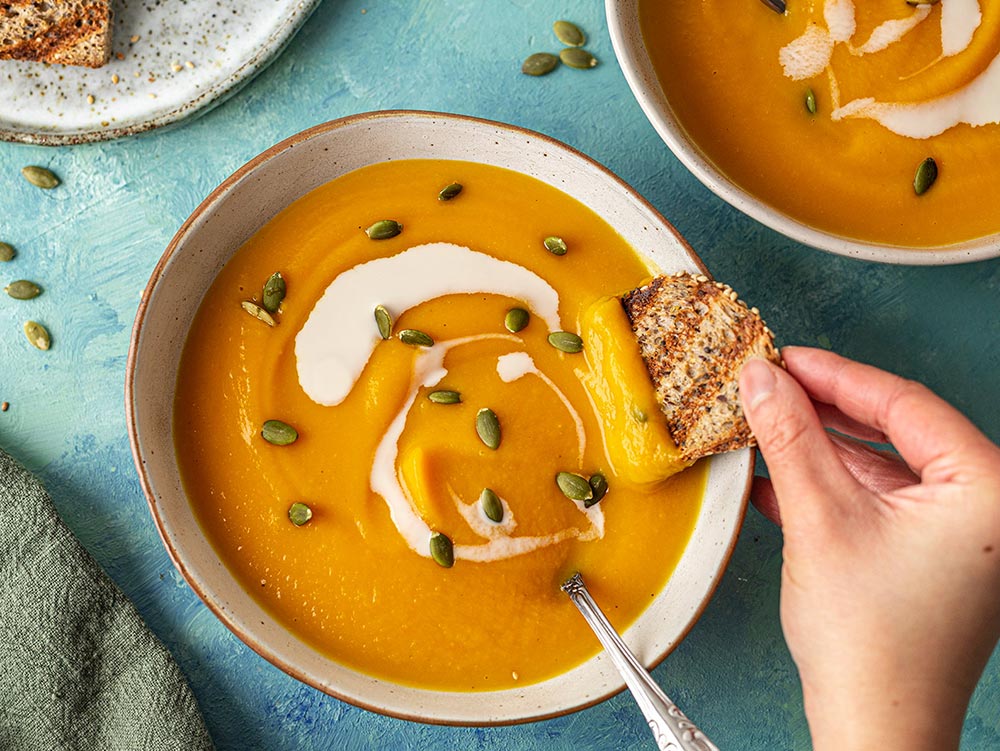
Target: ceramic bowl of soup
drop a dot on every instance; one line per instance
(348, 412)
(864, 129)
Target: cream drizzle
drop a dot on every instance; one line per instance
(339, 336)
(977, 103)
(387, 481)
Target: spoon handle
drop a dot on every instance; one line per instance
(672, 730)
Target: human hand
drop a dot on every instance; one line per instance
(890, 587)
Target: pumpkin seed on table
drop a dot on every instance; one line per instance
(40, 177)
(539, 64)
(575, 57)
(443, 396)
(488, 428)
(6, 252)
(278, 433)
(491, 505)
(566, 341)
(22, 289)
(442, 550)
(383, 321)
(449, 191)
(299, 513)
(415, 337)
(555, 245)
(274, 292)
(574, 487)
(569, 33)
(384, 229)
(599, 485)
(258, 312)
(926, 174)
(517, 319)
(38, 335)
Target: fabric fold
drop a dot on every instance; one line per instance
(78, 667)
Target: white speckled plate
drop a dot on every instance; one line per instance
(170, 59)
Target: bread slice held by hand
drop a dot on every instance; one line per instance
(694, 335)
(68, 32)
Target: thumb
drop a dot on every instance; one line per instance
(804, 466)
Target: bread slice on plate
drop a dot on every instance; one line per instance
(68, 32)
(694, 335)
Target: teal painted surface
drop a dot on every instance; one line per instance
(93, 243)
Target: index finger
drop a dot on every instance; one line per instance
(921, 425)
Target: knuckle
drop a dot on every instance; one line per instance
(903, 396)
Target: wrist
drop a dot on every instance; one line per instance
(898, 718)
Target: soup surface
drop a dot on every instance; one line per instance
(384, 469)
(893, 84)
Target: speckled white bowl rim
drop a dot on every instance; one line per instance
(221, 224)
(630, 49)
(200, 99)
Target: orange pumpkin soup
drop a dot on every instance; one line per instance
(394, 446)
(827, 111)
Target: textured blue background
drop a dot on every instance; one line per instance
(93, 243)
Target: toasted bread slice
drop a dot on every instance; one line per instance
(694, 336)
(68, 32)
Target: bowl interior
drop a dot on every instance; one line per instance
(630, 49)
(234, 212)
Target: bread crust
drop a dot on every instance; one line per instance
(65, 32)
(694, 335)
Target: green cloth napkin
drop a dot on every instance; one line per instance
(78, 667)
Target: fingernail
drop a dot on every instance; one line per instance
(756, 383)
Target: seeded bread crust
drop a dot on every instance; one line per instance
(694, 335)
(67, 32)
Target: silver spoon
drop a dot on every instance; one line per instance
(671, 729)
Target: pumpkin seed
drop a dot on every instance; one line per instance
(539, 64)
(555, 245)
(413, 336)
(778, 6)
(299, 514)
(6, 252)
(38, 335)
(927, 173)
(443, 396)
(279, 433)
(566, 341)
(274, 292)
(40, 177)
(568, 33)
(575, 57)
(384, 229)
(811, 101)
(516, 320)
(599, 485)
(574, 487)
(22, 289)
(492, 507)
(449, 191)
(488, 428)
(384, 321)
(442, 551)
(258, 312)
